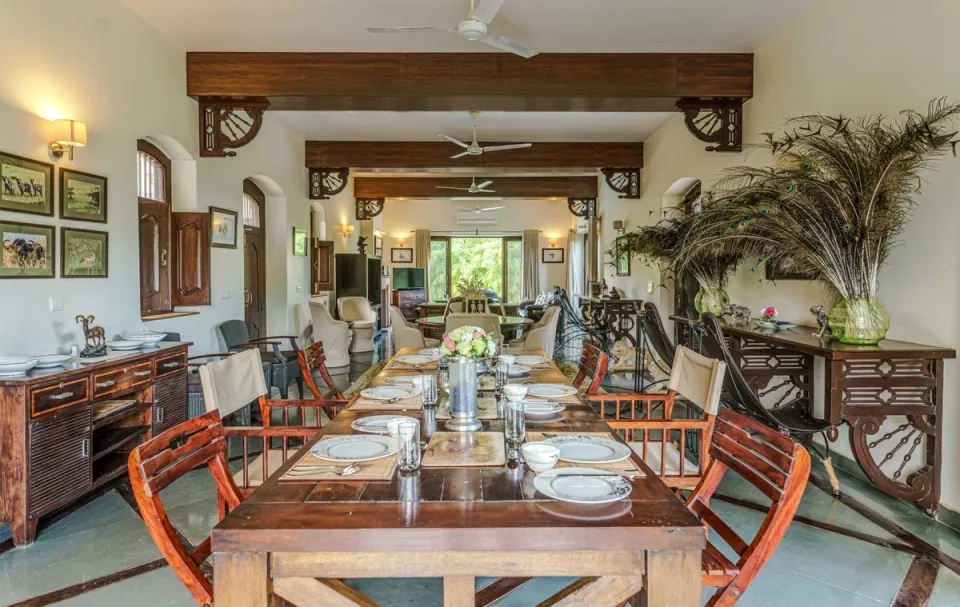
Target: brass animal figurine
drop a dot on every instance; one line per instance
(822, 321)
(94, 337)
(737, 313)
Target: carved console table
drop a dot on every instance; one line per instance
(617, 317)
(68, 430)
(890, 395)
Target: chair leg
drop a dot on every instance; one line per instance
(284, 385)
(300, 387)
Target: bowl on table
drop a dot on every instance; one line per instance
(144, 336)
(540, 457)
(12, 366)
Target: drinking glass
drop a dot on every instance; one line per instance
(514, 422)
(409, 434)
(428, 386)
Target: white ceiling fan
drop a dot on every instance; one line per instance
(473, 189)
(474, 28)
(479, 210)
(475, 149)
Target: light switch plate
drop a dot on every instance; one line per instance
(649, 286)
(56, 304)
(225, 295)
(299, 288)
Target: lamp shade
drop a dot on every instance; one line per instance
(70, 132)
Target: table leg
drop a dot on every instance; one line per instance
(672, 579)
(240, 579)
(458, 591)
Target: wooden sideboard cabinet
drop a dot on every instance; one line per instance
(69, 430)
(408, 300)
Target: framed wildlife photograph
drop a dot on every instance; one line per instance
(29, 250)
(551, 255)
(83, 253)
(223, 228)
(26, 186)
(83, 196)
(401, 255)
(300, 242)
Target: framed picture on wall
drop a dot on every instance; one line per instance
(83, 253)
(622, 261)
(300, 242)
(378, 246)
(223, 228)
(83, 196)
(551, 255)
(29, 250)
(26, 186)
(401, 255)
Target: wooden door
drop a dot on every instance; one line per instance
(254, 261)
(191, 259)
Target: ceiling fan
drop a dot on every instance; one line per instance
(475, 149)
(478, 210)
(474, 28)
(473, 189)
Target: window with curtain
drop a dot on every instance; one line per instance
(497, 261)
(439, 279)
(513, 269)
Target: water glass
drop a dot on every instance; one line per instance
(409, 435)
(514, 422)
(428, 386)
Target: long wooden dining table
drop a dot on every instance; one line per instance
(294, 542)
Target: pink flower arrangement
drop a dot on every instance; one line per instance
(449, 343)
(769, 313)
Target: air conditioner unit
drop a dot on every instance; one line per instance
(471, 218)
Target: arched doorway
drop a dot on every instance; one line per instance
(254, 260)
(683, 196)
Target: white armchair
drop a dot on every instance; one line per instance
(335, 335)
(362, 319)
(303, 325)
(407, 335)
(488, 322)
(543, 333)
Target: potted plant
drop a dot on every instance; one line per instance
(832, 205)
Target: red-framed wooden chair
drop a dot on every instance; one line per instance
(699, 381)
(313, 361)
(593, 365)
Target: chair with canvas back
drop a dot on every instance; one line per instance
(283, 364)
(234, 382)
(593, 365)
(488, 322)
(695, 378)
(157, 463)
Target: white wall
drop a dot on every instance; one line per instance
(551, 217)
(854, 58)
(126, 81)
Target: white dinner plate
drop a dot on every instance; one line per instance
(417, 359)
(598, 512)
(52, 360)
(401, 380)
(550, 390)
(12, 366)
(125, 345)
(433, 353)
(574, 485)
(532, 360)
(376, 424)
(541, 408)
(589, 449)
(355, 448)
(518, 370)
(391, 392)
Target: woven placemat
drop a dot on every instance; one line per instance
(465, 449)
(374, 470)
(486, 409)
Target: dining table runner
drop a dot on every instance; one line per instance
(381, 469)
(465, 449)
(625, 466)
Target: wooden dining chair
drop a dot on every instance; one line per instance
(234, 382)
(699, 381)
(593, 365)
(313, 361)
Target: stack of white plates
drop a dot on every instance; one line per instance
(144, 336)
(12, 366)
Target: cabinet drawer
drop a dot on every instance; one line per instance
(122, 378)
(170, 364)
(55, 396)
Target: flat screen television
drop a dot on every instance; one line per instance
(405, 279)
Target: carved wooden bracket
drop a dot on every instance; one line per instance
(326, 182)
(715, 121)
(583, 207)
(625, 182)
(227, 123)
(368, 208)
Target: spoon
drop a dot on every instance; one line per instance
(307, 469)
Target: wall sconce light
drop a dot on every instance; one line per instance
(401, 242)
(346, 230)
(67, 134)
(553, 242)
(619, 226)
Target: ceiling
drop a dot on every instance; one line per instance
(550, 26)
(492, 126)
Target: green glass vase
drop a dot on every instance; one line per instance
(859, 321)
(711, 299)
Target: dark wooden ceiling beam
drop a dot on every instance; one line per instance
(413, 155)
(470, 81)
(506, 187)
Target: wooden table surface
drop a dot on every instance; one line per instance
(460, 523)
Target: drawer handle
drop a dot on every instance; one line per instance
(85, 447)
(61, 396)
(142, 373)
(171, 365)
(107, 384)
(159, 414)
